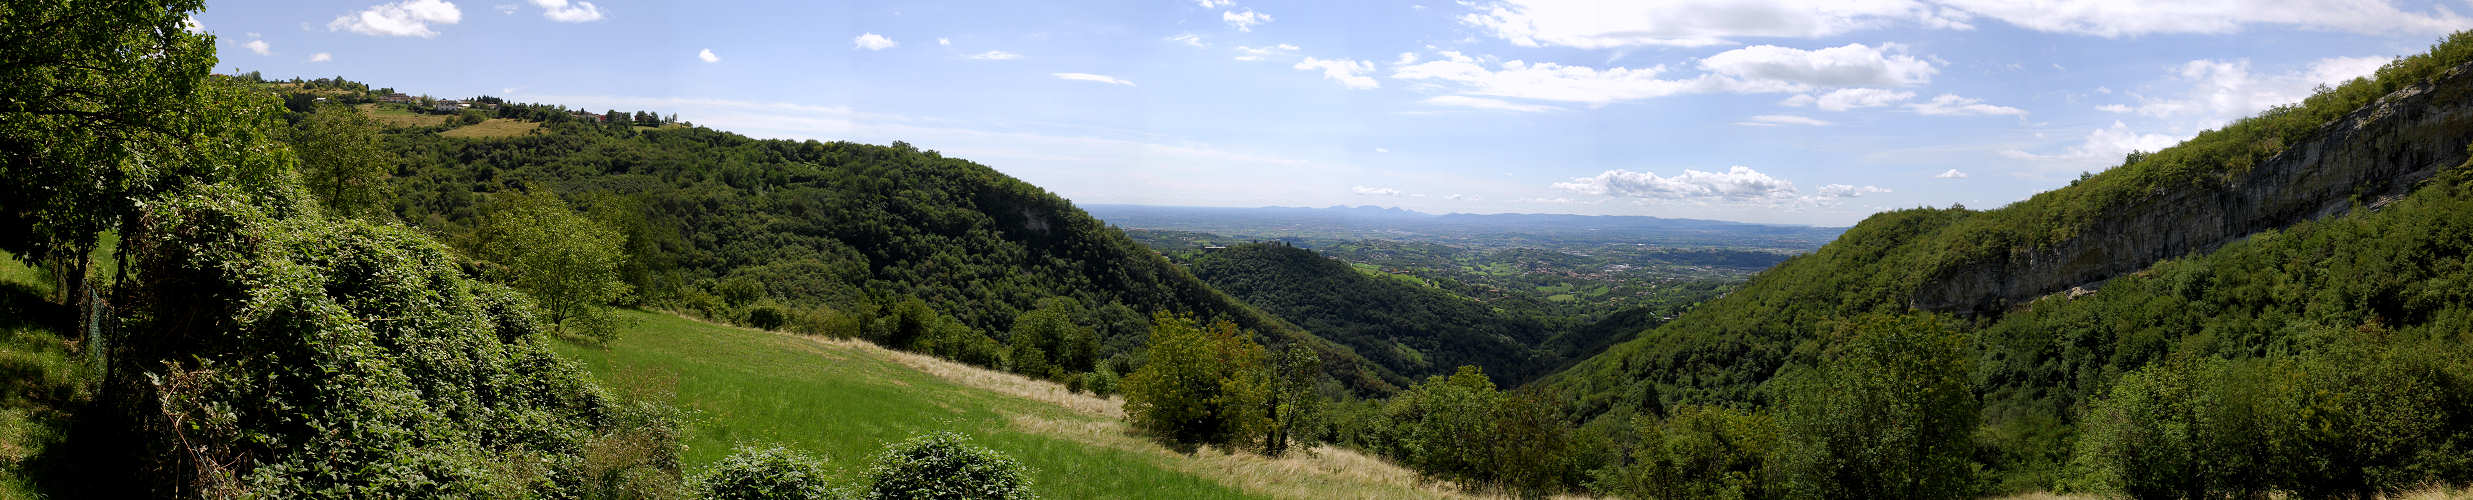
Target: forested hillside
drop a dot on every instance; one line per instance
(2079, 390)
(834, 234)
(1414, 328)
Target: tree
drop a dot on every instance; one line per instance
(1296, 399)
(1448, 426)
(1049, 341)
(1201, 385)
(1888, 414)
(342, 159)
(102, 109)
(566, 262)
(1696, 452)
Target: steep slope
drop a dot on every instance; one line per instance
(2348, 146)
(1414, 330)
(720, 222)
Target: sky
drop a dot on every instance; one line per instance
(1775, 111)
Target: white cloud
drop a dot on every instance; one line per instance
(191, 25)
(2218, 92)
(944, 42)
(1846, 99)
(1847, 191)
(2102, 148)
(407, 18)
(1349, 73)
(872, 41)
(1485, 103)
(1850, 65)
(1087, 77)
(1950, 174)
(507, 8)
(1189, 39)
(1214, 4)
(1259, 53)
(2119, 18)
(1775, 120)
(707, 56)
(1595, 24)
(1953, 105)
(1245, 21)
(1374, 191)
(568, 12)
(1382, 150)
(259, 46)
(321, 57)
(995, 55)
(1762, 69)
(1735, 184)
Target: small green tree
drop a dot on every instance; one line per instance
(342, 159)
(566, 262)
(1447, 426)
(1201, 385)
(1696, 452)
(1296, 401)
(1888, 414)
(773, 473)
(944, 466)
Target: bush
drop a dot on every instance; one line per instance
(766, 315)
(752, 473)
(1696, 452)
(1200, 385)
(1890, 413)
(943, 465)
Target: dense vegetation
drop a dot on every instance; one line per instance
(2114, 374)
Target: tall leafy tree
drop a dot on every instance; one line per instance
(342, 160)
(1888, 415)
(1202, 384)
(568, 263)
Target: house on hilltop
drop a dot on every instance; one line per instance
(397, 98)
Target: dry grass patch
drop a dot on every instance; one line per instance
(493, 128)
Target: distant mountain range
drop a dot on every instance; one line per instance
(1479, 229)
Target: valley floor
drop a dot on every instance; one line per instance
(844, 399)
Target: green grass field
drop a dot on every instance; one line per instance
(844, 400)
(397, 116)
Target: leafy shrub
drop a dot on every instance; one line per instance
(766, 315)
(773, 473)
(1696, 452)
(944, 465)
(1200, 386)
(1889, 413)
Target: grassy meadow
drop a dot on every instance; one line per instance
(493, 128)
(844, 400)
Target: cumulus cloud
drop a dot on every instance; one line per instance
(1953, 105)
(1847, 191)
(1244, 21)
(1189, 39)
(1776, 120)
(1591, 24)
(707, 56)
(1950, 174)
(995, 55)
(568, 12)
(1259, 53)
(1739, 183)
(2103, 147)
(1214, 4)
(1760, 69)
(407, 18)
(2119, 18)
(872, 41)
(321, 57)
(1349, 73)
(2212, 93)
(259, 46)
(1485, 103)
(1374, 191)
(1850, 65)
(1846, 99)
(1087, 77)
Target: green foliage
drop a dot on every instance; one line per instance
(1049, 341)
(342, 159)
(293, 355)
(1200, 385)
(2365, 415)
(770, 473)
(1448, 426)
(1407, 328)
(1888, 413)
(1295, 403)
(566, 262)
(1696, 452)
(945, 466)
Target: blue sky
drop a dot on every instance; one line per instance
(1751, 110)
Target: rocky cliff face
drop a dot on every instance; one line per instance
(2380, 150)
